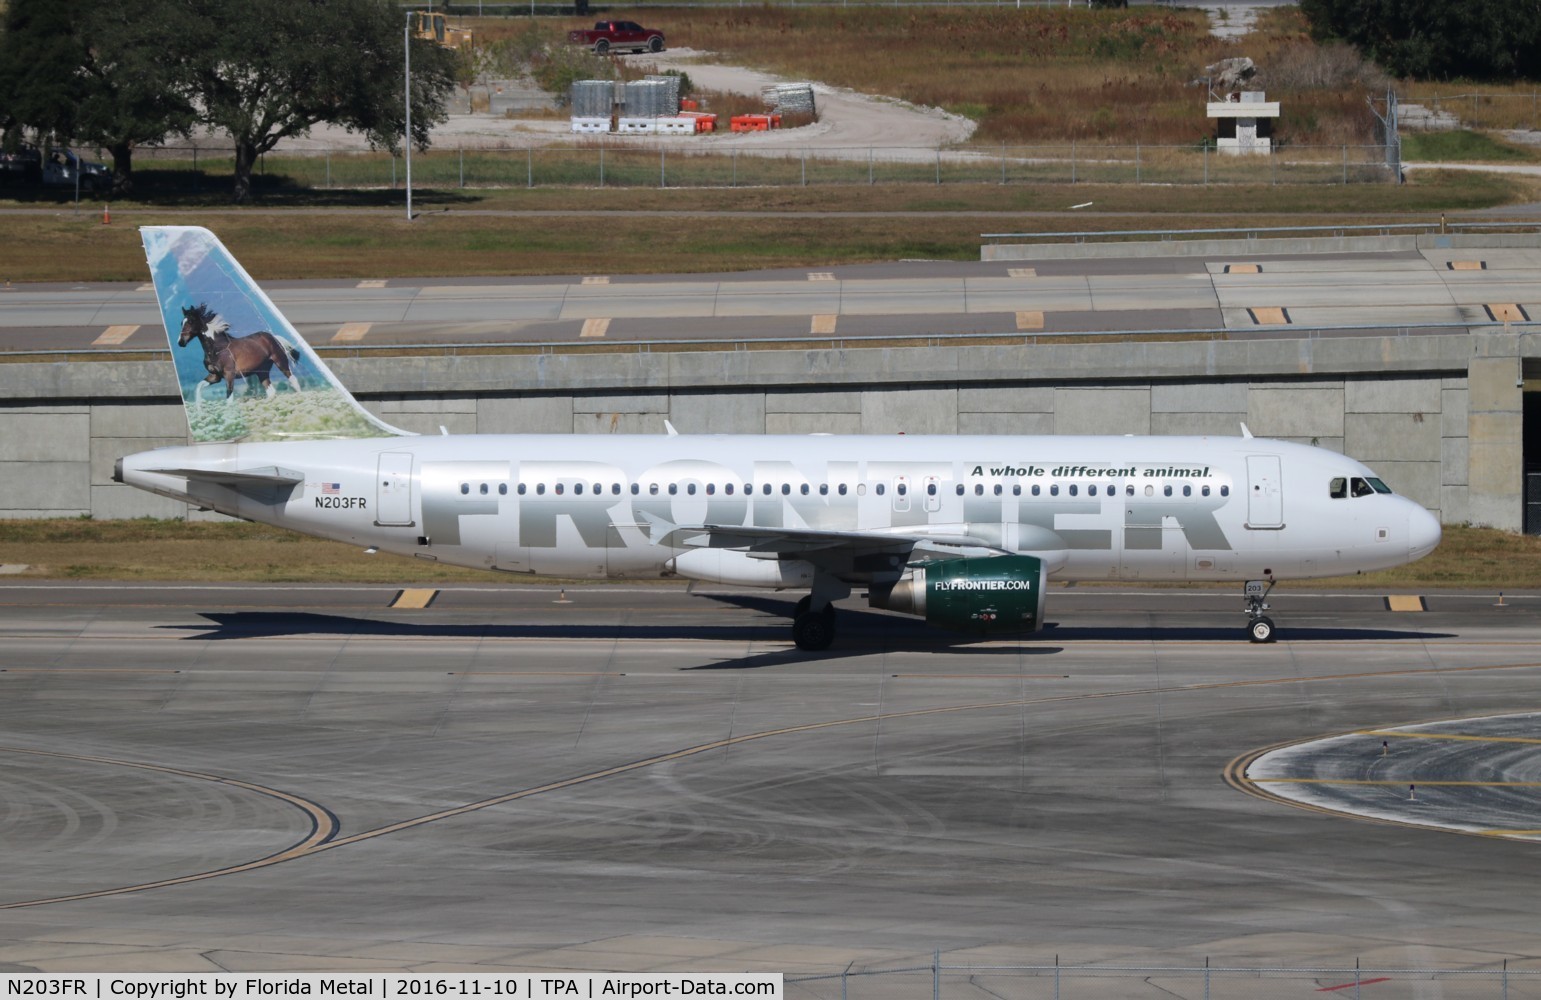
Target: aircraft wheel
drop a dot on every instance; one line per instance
(1261, 630)
(814, 631)
(802, 607)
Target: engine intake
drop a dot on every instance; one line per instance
(993, 594)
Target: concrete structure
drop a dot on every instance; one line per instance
(1240, 128)
(1440, 417)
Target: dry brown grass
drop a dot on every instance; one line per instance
(752, 227)
(1044, 74)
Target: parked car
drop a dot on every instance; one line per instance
(22, 165)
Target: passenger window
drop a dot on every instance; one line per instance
(652, 489)
(930, 489)
(502, 489)
(803, 489)
(786, 489)
(521, 489)
(1037, 489)
(997, 489)
(577, 489)
(1129, 490)
(636, 488)
(765, 488)
(979, 489)
(674, 489)
(484, 489)
(1205, 491)
(1187, 490)
(1166, 491)
(1091, 490)
(1054, 490)
(1074, 489)
(1225, 491)
(841, 489)
(823, 489)
(540, 489)
(878, 489)
(902, 489)
(960, 489)
(861, 489)
(559, 489)
(465, 489)
(615, 489)
(1016, 490)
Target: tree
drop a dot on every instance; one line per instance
(272, 69)
(110, 74)
(1486, 39)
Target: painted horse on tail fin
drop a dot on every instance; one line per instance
(228, 358)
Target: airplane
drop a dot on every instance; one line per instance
(963, 531)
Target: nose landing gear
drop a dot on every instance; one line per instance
(1259, 625)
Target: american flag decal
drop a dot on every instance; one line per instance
(331, 487)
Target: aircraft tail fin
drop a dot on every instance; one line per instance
(244, 373)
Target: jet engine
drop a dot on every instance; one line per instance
(988, 594)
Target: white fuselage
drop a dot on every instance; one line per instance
(1095, 508)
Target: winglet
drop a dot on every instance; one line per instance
(244, 373)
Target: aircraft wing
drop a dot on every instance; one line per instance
(269, 476)
(802, 541)
(851, 553)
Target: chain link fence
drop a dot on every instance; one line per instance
(939, 980)
(670, 164)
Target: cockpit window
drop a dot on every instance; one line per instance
(1378, 486)
(1338, 488)
(1359, 488)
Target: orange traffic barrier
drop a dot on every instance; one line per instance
(754, 123)
(686, 104)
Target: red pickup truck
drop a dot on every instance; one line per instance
(618, 36)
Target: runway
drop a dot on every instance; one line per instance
(1264, 296)
(200, 777)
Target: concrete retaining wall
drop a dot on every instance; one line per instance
(1438, 416)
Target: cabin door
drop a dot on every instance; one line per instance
(1265, 492)
(393, 500)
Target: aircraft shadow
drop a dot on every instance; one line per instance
(861, 633)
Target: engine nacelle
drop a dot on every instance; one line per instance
(991, 594)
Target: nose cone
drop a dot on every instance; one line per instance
(1423, 532)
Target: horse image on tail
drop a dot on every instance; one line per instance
(228, 358)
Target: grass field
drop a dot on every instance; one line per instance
(579, 232)
(79, 549)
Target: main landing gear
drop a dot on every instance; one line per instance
(1259, 625)
(813, 620)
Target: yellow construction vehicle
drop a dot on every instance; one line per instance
(436, 28)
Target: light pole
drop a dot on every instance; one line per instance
(406, 47)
